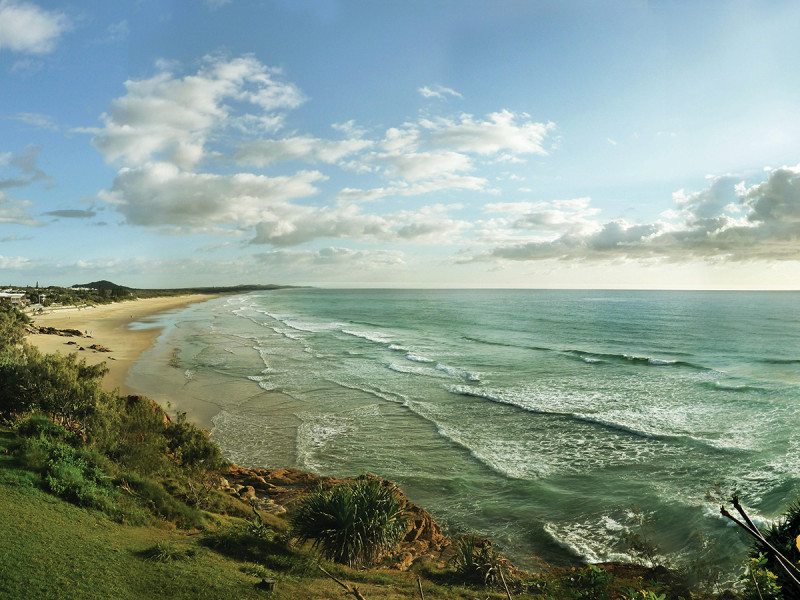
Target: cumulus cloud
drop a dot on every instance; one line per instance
(172, 135)
(167, 117)
(727, 221)
(29, 29)
(161, 194)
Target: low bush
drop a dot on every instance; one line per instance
(352, 524)
(477, 562)
(41, 426)
(191, 447)
(783, 536)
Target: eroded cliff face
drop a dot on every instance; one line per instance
(277, 490)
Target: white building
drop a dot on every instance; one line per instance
(13, 298)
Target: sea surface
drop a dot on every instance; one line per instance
(549, 421)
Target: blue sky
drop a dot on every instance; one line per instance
(419, 144)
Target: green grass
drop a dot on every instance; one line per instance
(59, 550)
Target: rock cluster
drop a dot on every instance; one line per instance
(54, 331)
(277, 490)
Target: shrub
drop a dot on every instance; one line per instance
(191, 446)
(783, 536)
(759, 582)
(40, 426)
(476, 561)
(352, 524)
(71, 476)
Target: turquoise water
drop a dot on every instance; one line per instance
(536, 418)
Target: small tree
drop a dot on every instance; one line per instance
(352, 524)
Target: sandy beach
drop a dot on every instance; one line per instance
(108, 325)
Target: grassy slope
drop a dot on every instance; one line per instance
(50, 548)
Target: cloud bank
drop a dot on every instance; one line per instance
(177, 137)
(727, 221)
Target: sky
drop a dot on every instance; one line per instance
(537, 144)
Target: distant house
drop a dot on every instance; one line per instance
(13, 298)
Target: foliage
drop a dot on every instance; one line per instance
(783, 536)
(352, 524)
(477, 562)
(163, 551)
(759, 582)
(39, 426)
(75, 474)
(12, 326)
(191, 446)
(592, 584)
(55, 384)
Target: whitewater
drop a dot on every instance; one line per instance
(539, 419)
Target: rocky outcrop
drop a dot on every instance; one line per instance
(278, 490)
(54, 331)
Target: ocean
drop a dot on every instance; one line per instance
(552, 422)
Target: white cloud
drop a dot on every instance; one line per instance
(12, 211)
(37, 120)
(415, 166)
(350, 129)
(369, 260)
(168, 131)
(573, 216)
(14, 263)
(428, 225)
(499, 132)
(171, 118)
(448, 182)
(306, 148)
(438, 91)
(158, 194)
(27, 28)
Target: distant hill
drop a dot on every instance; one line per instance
(103, 284)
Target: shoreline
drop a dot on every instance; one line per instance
(108, 325)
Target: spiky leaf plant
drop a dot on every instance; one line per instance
(351, 524)
(783, 535)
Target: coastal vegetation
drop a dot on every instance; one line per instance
(353, 524)
(110, 497)
(105, 292)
